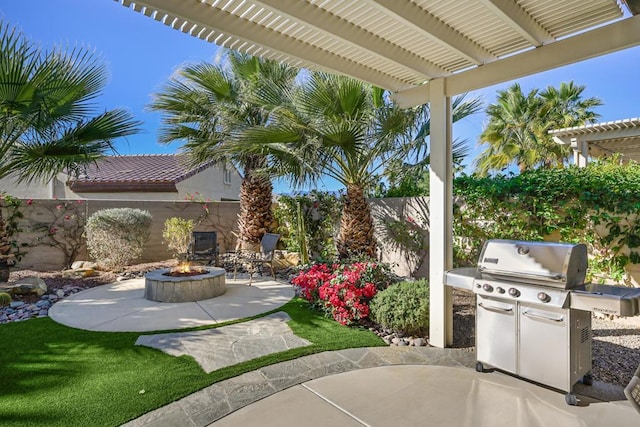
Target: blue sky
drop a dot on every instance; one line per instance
(142, 54)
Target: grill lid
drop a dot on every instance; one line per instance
(560, 265)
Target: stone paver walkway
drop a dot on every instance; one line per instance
(214, 402)
(229, 345)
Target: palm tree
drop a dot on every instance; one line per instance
(564, 107)
(410, 176)
(48, 123)
(518, 126)
(206, 106)
(347, 130)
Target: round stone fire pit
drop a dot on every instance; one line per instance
(163, 288)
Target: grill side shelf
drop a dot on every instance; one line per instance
(462, 278)
(607, 299)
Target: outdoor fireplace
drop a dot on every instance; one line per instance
(186, 283)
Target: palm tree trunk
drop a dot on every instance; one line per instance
(356, 226)
(255, 218)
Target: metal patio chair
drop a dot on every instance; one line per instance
(268, 245)
(632, 391)
(203, 247)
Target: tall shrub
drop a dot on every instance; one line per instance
(117, 236)
(177, 234)
(320, 212)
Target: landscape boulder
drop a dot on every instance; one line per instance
(28, 285)
(84, 265)
(79, 273)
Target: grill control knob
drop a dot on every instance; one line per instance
(514, 292)
(500, 290)
(544, 297)
(487, 287)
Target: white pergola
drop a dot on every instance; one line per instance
(602, 140)
(422, 51)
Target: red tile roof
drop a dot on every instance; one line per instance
(149, 172)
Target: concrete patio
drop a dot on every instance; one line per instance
(121, 307)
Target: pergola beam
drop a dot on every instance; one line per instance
(634, 6)
(425, 23)
(205, 16)
(332, 26)
(515, 16)
(610, 38)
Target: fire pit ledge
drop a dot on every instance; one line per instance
(162, 288)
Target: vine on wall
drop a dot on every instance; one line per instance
(598, 205)
(61, 226)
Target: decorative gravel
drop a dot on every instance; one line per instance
(616, 343)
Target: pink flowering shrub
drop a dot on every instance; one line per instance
(342, 291)
(308, 282)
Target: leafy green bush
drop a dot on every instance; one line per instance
(5, 299)
(597, 205)
(403, 307)
(117, 236)
(177, 234)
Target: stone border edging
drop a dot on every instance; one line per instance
(220, 399)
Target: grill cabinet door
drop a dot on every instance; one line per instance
(544, 345)
(496, 333)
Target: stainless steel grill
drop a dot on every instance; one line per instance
(533, 310)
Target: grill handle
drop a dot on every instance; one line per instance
(502, 309)
(542, 316)
(552, 276)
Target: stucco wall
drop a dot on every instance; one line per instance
(33, 190)
(402, 233)
(389, 215)
(210, 185)
(221, 217)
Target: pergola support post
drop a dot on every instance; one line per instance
(440, 216)
(580, 152)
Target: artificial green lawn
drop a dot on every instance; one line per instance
(54, 375)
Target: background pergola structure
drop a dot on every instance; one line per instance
(422, 51)
(602, 140)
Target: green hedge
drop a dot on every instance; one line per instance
(598, 205)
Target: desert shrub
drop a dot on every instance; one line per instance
(117, 236)
(403, 307)
(5, 299)
(177, 234)
(343, 291)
